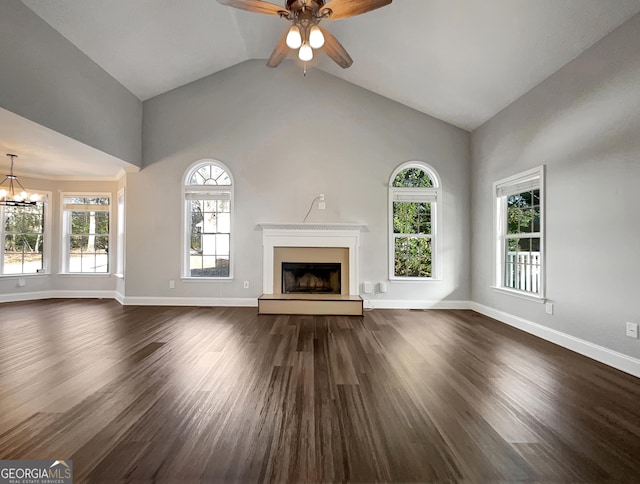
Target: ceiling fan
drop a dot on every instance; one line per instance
(305, 33)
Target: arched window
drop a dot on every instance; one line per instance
(414, 190)
(208, 199)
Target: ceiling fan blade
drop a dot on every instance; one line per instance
(280, 52)
(257, 6)
(349, 8)
(334, 49)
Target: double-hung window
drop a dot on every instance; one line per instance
(413, 199)
(86, 228)
(208, 199)
(24, 238)
(519, 233)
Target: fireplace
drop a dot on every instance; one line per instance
(311, 278)
(309, 242)
(310, 269)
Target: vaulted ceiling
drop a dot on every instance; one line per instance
(461, 61)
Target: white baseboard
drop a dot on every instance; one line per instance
(596, 352)
(189, 301)
(118, 296)
(34, 296)
(412, 304)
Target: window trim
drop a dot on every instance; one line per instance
(121, 233)
(46, 245)
(186, 216)
(432, 195)
(64, 242)
(515, 184)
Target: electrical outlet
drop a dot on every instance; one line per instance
(172, 284)
(382, 287)
(549, 308)
(321, 205)
(632, 330)
(367, 287)
(22, 282)
(245, 284)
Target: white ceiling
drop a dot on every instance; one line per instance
(45, 153)
(461, 61)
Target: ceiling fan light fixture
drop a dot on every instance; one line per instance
(305, 54)
(316, 38)
(294, 38)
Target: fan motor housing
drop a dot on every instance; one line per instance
(296, 5)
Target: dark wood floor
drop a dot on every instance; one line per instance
(216, 394)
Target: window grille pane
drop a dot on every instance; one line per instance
(411, 217)
(79, 222)
(523, 264)
(88, 262)
(222, 267)
(208, 244)
(413, 177)
(102, 244)
(209, 175)
(209, 222)
(412, 257)
(224, 206)
(224, 222)
(195, 265)
(222, 244)
(101, 222)
(523, 212)
(208, 263)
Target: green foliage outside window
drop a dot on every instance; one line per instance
(412, 227)
(414, 178)
(412, 257)
(23, 239)
(88, 233)
(523, 217)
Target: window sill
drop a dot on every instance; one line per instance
(83, 274)
(119, 276)
(206, 279)
(29, 276)
(520, 294)
(404, 280)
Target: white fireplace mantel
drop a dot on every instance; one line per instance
(310, 235)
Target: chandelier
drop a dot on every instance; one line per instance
(8, 195)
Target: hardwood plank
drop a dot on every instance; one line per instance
(167, 394)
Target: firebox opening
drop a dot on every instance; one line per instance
(318, 277)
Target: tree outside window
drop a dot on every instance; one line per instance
(208, 202)
(413, 195)
(87, 231)
(23, 239)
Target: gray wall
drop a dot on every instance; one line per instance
(287, 138)
(583, 123)
(48, 80)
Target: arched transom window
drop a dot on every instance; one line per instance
(208, 198)
(414, 190)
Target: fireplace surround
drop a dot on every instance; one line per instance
(340, 236)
